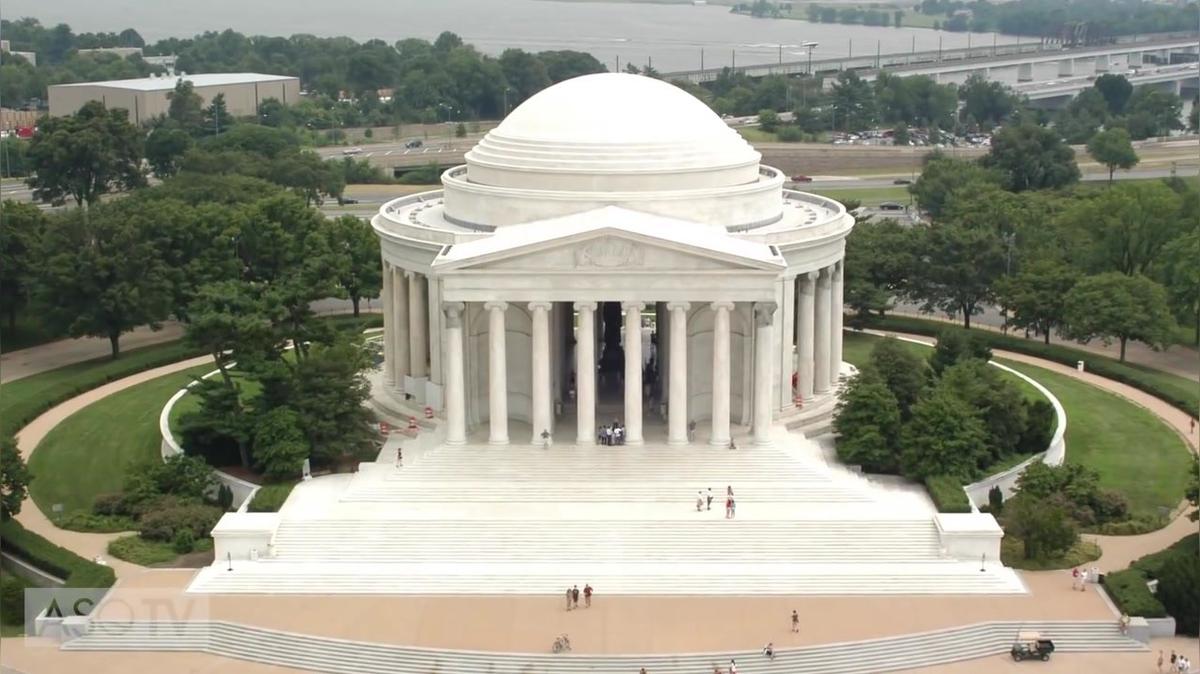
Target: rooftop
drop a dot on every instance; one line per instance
(167, 83)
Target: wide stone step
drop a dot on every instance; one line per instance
(334, 655)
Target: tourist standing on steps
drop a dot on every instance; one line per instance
(732, 667)
(795, 622)
(769, 650)
(708, 499)
(587, 595)
(728, 507)
(699, 501)
(732, 507)
(575, 597)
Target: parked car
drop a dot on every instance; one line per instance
(415, 142)
(901, 181)
(802, 179)
(347, 200)
(352, 150)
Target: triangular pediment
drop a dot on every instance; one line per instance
(611, 239)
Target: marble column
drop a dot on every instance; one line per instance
(806, 334)
(542, 416)
(585, 374)
(633, 372)
(388, 326)
(497, 374)
(821, 350)
(677, 408)
(400, 316)
(418, 317)
(456, 402)
(720, 375)
(836, 316)
(786, 347)
(764, 319)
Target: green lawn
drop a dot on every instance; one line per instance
(89, 452)
(24, 399)
(1134, 452)
(869, 196)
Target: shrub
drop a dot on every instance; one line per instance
(269, 498)
(56, 561)
(1179, 591)
(996, 500)
(279, 444)
(12, 600)
(789, 134)
(184, 542)
(1043, 526)
(136, 550)
(947, 494)
(1128, 591)
(225, 497)
(182, 476)
(110, 504)
(955, 345)
(80, 520)
(164, 525)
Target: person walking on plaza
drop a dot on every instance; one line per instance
(568, 599)
(795, 622)
(708, 499)
(1076, 583)
(587, 595)
(1160, 661)
(699, 501)
(575, 597)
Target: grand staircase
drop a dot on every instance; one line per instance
(303, 651)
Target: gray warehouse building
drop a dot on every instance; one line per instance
(146, 97)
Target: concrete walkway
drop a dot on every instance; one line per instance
(86, 545)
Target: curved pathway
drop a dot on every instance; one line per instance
(86, 545)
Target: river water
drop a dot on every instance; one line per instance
(671, 37)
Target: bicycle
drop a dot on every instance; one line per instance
(561, 645)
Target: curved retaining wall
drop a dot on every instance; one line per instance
(1055, 454)
(242, 490)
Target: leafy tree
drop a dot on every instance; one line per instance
(1193, 491)
(987, 101)
(165, 146)
(185, 108)
(251, 138)
(956, 345)
(1042, 525)
(1036, 296)
(902, 371)
(1127, 226)
(221, 428)
(1078, 122)
(999, 405)
(354, 242)
(959, 269)
(21, 228)
(768, 120)
(867, 423)
(1115, 306)
(853, 102)
(1179, 591)
(995, 499)
(942, 175)
(86, 155)
(1113, 149)
(216, 115)
(14, 478)
(1153, 112)
(1116, 91)
(900, 134)
(880, 257)
(102, 276)
(1031, 158)
(524, 73)
(942, 438)
(1181, 276)
(279, 445)
(186, 477)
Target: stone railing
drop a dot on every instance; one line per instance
(242, 490)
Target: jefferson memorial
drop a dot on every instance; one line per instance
(611, 255)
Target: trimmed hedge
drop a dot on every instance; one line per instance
(54, 560)
(947, 494)
(1185, 396)
(1128, 587)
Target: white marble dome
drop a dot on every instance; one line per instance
(613, 132)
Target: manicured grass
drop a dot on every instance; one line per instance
(140, 551)
(24, 399)
(753, 134)
(1133, 451)
(1012, 553)
(270, 497)
(89, 453)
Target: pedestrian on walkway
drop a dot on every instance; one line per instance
(1160, 662)
(568, 599)
(708, 499)
(1076, 583)
(732, 667)
(587, 595)
(699, 501)
(795, 622)
(1173, 658)
(728, 507)
(769, 650)
(732, 508)
(575, 597)
(399, 456)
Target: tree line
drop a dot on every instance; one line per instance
(1013, 229)
(1098, 19)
